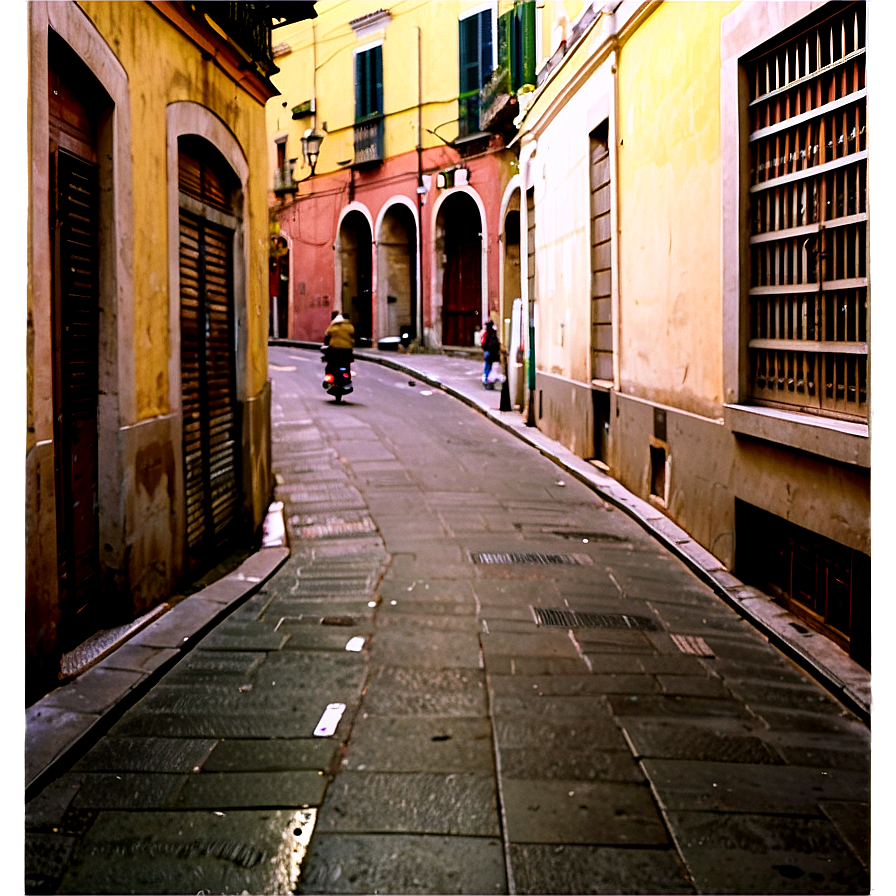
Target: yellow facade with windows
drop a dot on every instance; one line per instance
(114, 90)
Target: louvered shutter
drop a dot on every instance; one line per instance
(77, 382)
(210, 418)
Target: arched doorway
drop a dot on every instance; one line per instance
(459, 243)
(356, 249)
(279, 288)
(511, 260)
(397, 273)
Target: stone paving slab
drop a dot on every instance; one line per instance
(693, 785)
(419, 691)
(252, 790)
(146, 754)
(670, 740)
(433, 649)
(272, 755)
(763, 853)
(421, 744)
(574, 869)
(587, 762)
(404, 864)
(94, 691)
(571, 811)
(189, 852)
(50, 733)
(128, 790)
(420, 803)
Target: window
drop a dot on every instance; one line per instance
(369, 83)
(808, 218)
(476, 64)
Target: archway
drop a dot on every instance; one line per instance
(397, 273)
(355, 248)
(459, 244)
(279, 288)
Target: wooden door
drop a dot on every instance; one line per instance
(462, 305)
(74, 227)
(208, 371)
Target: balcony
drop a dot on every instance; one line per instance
(248, 25)
(369, 142)
(498, 105)
(283, 181)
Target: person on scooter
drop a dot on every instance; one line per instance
(340, 340)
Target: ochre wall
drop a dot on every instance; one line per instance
(670, 208)
(164, 67)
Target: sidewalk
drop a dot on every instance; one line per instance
(59, 726)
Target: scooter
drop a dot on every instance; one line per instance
(338, 376)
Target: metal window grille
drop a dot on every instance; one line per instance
(808, 288)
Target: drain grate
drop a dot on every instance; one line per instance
(572, 619)
(546, 559)
(692, 644)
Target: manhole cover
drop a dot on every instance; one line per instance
(573, 619)
(546, 559)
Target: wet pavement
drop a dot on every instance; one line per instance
(546, 698)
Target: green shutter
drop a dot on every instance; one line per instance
(376, 105)
(527, 20)
(504, 32)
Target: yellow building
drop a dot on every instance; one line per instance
(698, 280)
(148, 432)
(405, 220)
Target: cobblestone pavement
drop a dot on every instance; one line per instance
(535, 697)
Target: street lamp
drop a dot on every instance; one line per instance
(311, 147)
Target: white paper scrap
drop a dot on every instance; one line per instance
(356, 644)
(329, 720)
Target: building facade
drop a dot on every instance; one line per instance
(148, 431)
(698, 280)
(407, 220)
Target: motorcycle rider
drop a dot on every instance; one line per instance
(340, 340)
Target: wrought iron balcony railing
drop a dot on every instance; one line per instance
(248, 25)
(369, 142)
(283, 180)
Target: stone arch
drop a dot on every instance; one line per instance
(398, 277)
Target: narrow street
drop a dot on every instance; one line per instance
(538, 697)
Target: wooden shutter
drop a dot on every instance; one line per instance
(208, 367)
(76, 384)
(601, 245)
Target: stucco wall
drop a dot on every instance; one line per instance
(669, 170)
(175, 72)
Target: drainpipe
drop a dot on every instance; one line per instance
(525, 164)
(419, 189)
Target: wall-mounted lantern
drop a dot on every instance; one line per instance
(311, 147)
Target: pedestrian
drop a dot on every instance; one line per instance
(492, 347)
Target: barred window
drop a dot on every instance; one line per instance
(808, 289)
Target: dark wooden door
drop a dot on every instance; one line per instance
(74, 229)
(211, 425)
(462, 302)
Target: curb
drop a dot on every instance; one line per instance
(845, 679)
(63, 725)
